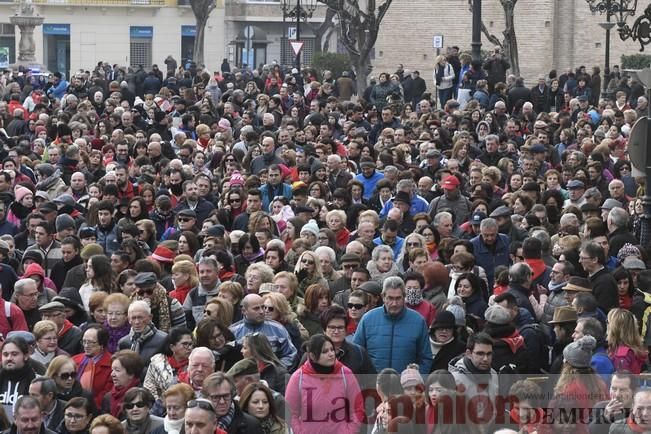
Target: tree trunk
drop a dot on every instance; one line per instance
(198, 52)
(510, 38)
(361, 66)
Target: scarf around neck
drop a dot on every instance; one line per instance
(115, 334)
(173, 426)
(137, 339)
(117, 397)
(225, 421)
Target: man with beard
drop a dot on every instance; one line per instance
(16, 374)
(175, 185)
(107, 234)
(502, 214)
(122, 152)
(193, 201)
(78, 185)
(125, 187)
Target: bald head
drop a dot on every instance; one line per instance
(252, 308)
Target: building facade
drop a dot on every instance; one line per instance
(552, 34)
(76, 34)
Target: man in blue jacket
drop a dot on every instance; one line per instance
(274, 187)
(369, 177)
(393, 334)
(491, 248)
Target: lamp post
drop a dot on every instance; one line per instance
(620, 8)
(476, 30)
(300, 10)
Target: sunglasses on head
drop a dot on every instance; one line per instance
(202, 404)
(132, 405)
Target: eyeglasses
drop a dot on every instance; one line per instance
(184, 219)
(226, 397)
(138, 404)
(187, 344)
(268, 308)
(413, 244)
(307, 262)
(355, 306)
(116, 313)
(75, 416)
(145, 291)
(203, 404)
(84, 342)
(67, 375)
(336, 329)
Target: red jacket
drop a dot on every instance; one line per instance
(102, 382)
(16, 322)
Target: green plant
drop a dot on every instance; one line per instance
(335, 62)
(636, 61)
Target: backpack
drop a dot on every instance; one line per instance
(542, 355)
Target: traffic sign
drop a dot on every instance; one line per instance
(297, 46)
(437, 41)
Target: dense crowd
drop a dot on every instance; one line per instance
(254, 251)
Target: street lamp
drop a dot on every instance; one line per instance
(620, 8)
(300, 10)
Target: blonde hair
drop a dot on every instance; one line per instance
(188, 268)
(57, 363)
(233, 288)
(117, 298)
(622, 330)
(44, 327)
(97, 300)
(225, 312)
(281, 305)
(339, 213)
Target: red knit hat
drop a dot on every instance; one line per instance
(163, 254)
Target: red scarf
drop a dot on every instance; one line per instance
(633, 425)
(117, 396)
(181, 293)
(625, 301)
(67, 325)
(176, 365)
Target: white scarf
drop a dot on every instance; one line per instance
(173, 426)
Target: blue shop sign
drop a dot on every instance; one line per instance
(189, 31)
(142, 32)
(56, 29)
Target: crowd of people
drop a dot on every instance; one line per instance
(255, 251)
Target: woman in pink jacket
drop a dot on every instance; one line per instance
(323, 395)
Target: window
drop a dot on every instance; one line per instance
(140, 46)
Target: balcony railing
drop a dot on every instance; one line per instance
(99, 2)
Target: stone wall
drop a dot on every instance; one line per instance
(551, 34)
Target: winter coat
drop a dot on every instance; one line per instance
(446, 352)
(395, 341)
(489, 259)
(275, 332)
(160, 375)
(377, 275)
(312, 397)
(149, 348)
(508, 349)
(624, 358)
(522, 298)
(475, 305)
(474, 385)
(102, 382)
(604, 288)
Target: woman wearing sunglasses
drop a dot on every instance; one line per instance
(164, 369)
(63, 371)
(138, 403)
(308, 272)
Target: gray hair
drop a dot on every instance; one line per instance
(545, 240)
(207, 260)
(406, 185)
(202, 350)
(492, 137)
(139, 305)
(266, 272)
(569, 219)
(618, 217)
(438, 217)
(519, 273)
(488, 223)
(379, 250)
(20, 285)
(327, 251)
(393, 282)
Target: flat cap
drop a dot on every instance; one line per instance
(243, 367)
(575, 183)
(53, 305)
(145, 279)
(501, 211)
(371, 287)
